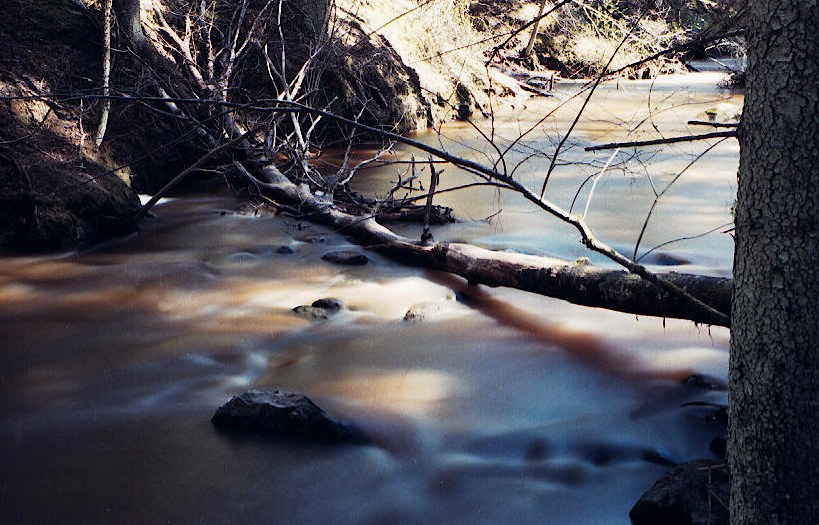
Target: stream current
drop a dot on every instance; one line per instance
(507, 407)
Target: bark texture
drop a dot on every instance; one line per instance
(129, 16)
(774, 372)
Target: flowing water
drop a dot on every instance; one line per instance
(506, 407)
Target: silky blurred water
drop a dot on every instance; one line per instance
(506, 408)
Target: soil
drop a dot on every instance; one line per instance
(56, 190)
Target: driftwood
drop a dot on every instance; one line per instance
(577, 283)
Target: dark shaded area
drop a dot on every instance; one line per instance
(692, 494)
(56, 191)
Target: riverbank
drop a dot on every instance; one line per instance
(399, 67)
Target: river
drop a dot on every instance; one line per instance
(507, 408)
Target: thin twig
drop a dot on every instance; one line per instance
(596, 180)
(588, 98)
(426, 236)
(659, 196)
(712, 124)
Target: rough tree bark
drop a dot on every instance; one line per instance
(774, 371)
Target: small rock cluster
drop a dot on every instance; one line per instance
(320, 309)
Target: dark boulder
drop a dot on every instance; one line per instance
(346, 258)
(330, 304)
(283, 414)
(321, 309)
(311, 313)
(695, 493)
(465, 101)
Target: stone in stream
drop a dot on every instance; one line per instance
(423, 312)
(692, 494)
(706, 382)
(312, 238)
(321, 309)
(668, 259)
(284, 414)
(346, 257)
(329, 304)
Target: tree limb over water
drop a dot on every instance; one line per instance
(576, 282)
(190, 100)
(670, 140)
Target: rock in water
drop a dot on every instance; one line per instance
(330, 304)
(311, 313)
(321, 309)
(346, 257)
(283, 414)
(682, 497)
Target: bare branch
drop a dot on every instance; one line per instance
(712, 124)
(670, 140)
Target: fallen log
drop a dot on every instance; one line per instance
(577, 282)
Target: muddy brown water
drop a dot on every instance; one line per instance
(506, 408)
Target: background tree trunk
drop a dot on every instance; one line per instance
(530, 46)
(130, 21)
(774, 372)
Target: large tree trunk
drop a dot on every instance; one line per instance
(774, 372)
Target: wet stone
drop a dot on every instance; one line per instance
(321, 309)
(311, 313)
(285, 414)
(329, 304)
(682, 497)
(346, 258)
(312, 238)
(706, 382)
(285, 250)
